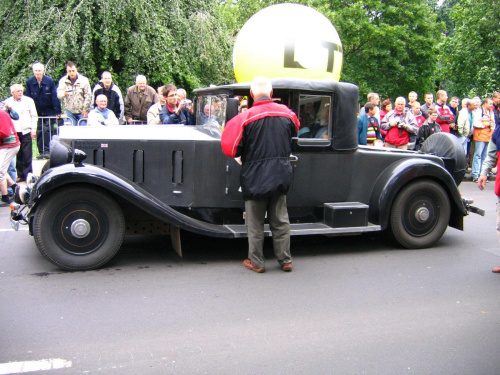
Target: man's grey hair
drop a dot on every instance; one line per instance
(101, 96)
(140, 77)
(15, 87)
(261, 86)
(38, 65)
(400, 99)
(371, 95)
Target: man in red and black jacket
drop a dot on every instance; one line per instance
(445, 115)
(262, 138)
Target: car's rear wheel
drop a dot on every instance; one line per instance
(79, 228)
(420, 214)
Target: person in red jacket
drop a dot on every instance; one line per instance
(399, 124)
(445, 114)
(262, 137)
(9, 146)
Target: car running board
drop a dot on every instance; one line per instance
(308, 229)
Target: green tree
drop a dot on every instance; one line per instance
(168, 41)
(470, 55)
(389, 47)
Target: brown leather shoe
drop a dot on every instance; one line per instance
(248, 264)
(496, 270)
(287, 267)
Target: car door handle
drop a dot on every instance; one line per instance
(294, 158)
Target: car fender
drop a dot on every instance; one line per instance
(404, 171)
(116, 185)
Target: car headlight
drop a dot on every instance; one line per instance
(23, 192)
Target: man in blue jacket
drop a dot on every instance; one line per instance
(43, 91)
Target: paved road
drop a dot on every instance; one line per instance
(352, 305)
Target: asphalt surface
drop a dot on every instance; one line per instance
(352, 305)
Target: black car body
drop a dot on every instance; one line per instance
(164, 178)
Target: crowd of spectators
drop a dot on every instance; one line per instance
(38, 107)
(409, 124)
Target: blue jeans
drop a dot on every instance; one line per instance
(464, 141)
(75, 117)
(479, 156)
(12, 172)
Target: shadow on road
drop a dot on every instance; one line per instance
(156, 249)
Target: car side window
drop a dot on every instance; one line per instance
(314, 115)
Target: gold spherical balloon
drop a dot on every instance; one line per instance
(288, 40)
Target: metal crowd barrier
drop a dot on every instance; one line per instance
(46, 128)
(82, 122)
(136, 122)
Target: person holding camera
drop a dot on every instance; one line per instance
(189, 109)
(174, 111)
(399, 124)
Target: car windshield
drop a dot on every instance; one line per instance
(211, 111)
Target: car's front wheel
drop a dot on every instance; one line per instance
(79, 228)
(420, 214)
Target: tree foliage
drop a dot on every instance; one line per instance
(471, 54)
(168, 40)
(390, 47)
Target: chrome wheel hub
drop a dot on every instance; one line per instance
(80, 228)
(422, 214)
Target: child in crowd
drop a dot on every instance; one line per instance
(368, 126)
(429, 127)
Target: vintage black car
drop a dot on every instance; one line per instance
(104, 182)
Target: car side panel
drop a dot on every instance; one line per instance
(87, 175)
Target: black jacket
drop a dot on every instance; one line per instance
(262, 136)
(114, 95)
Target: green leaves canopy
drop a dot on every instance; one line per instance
(168, 41)
(390, 47)
(470, 64)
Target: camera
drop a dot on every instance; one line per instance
(401, 125)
